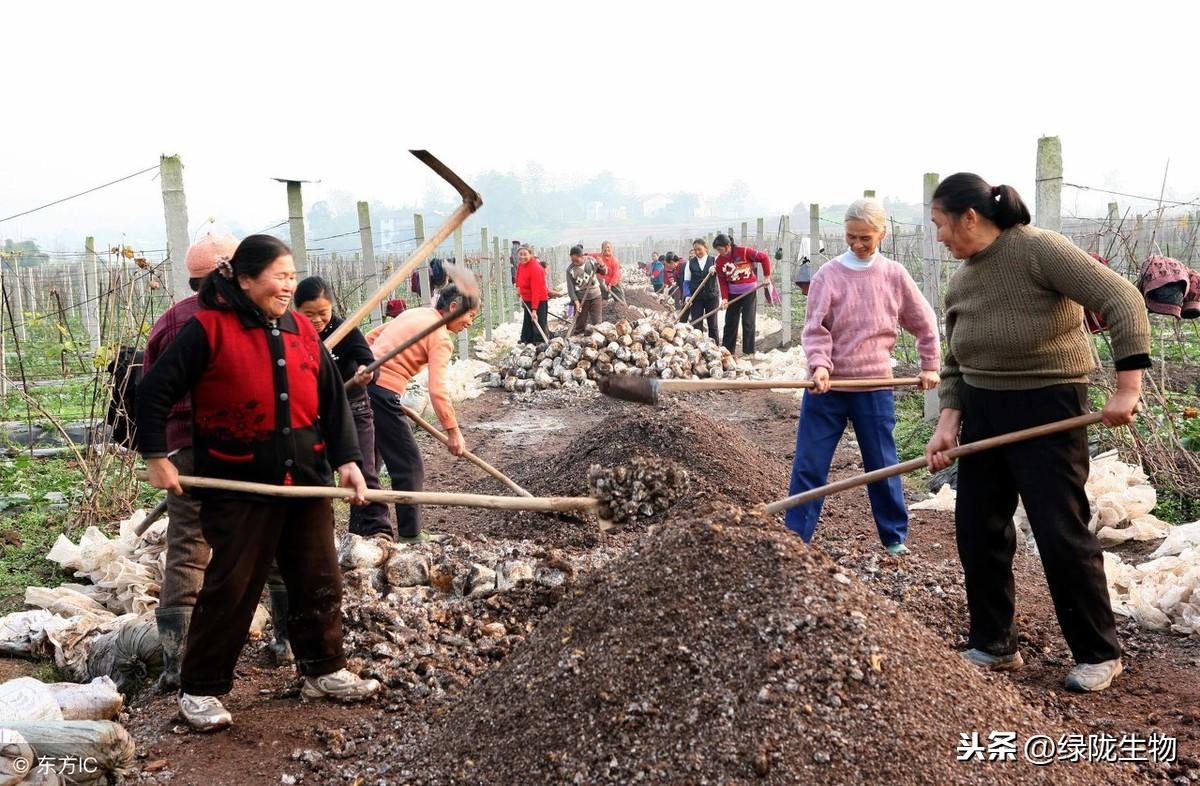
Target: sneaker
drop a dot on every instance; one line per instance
(896, 549)
(994, 662)
(204, 713)
(1091, 677)
(420, 537)
(342, 685)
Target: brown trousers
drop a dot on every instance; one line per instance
(592, 313)
(246, 536)
(187, 550)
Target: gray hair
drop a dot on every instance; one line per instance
(869, 210)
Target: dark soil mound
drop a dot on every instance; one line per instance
(720, 652)
(644, 300)
(615, 311)
(722, 464)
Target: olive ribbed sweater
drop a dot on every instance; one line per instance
(1014, 316)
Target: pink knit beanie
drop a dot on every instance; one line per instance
(1163, 283)
(203, 256)
(1191, 301)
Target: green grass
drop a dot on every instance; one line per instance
(30, 523)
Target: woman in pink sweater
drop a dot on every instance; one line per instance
(854, 305)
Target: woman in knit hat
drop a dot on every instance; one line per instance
(187, 551)
(269, 407)
(1016, 358)
(855, 304)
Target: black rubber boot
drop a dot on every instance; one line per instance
(172, 634)
(280, 648)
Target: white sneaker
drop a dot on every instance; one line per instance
(342, 685)
(204, 713)
(1092, 677)
(994, 662)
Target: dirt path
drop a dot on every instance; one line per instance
(275, 736)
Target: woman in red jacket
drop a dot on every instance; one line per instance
(611, 279)
(531, 284)
(268, 405)
(736, 275)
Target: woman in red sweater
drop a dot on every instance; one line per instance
(737, 275)
(531, 284)
(611, 279)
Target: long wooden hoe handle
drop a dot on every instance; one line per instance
(471, 201)
(728, 303)
(438, 498)
(678, 385)
(919, 463)
(468, 455)
(688, 304)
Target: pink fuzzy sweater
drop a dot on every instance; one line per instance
(850, 327)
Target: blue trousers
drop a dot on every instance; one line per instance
(823, 419)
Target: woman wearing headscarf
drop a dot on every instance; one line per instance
(1017, 358)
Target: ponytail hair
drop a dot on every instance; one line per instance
(220, 288)
(1001, 205)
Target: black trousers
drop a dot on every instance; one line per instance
(743, 312)
(1048, 474)
(396, 443)
(699, 308)
(529, 332)
(370, 519)
(246, 536)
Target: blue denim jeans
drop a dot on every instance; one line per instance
(823, 419)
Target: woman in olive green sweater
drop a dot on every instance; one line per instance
(1017, 357)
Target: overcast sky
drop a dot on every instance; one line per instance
(811, 105)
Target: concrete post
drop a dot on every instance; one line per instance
(814, 234)
(785, 282)
(760, 298)
(366, 241)
(464, 344)
(296, 228)
(91, 287)
(745, 232)
(17, 301)
(485, 271)
(931, 272)
(423, 271)
(1048, 211)
(500, 278)
(3, 348)
(175, 212)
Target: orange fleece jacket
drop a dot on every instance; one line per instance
(434, 351)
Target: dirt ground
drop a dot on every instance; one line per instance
(275, 739)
